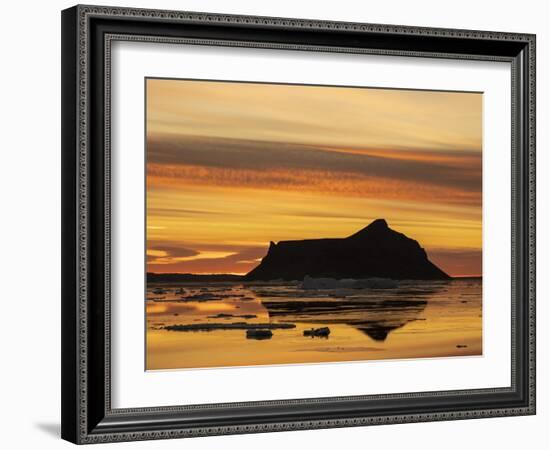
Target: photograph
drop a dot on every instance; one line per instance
(299, 224)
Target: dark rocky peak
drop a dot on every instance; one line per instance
(374, 251)
(378, 226)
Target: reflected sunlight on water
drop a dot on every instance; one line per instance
(414, 320)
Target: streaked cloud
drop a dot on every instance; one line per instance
(461, 170)
(209, 261)
(459, 262)
(316, 115)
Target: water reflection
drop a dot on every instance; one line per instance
(192, 325)
(376, 313)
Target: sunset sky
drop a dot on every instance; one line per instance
(233, 166)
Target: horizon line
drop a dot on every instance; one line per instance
(244, 274)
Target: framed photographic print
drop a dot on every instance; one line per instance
(278, 224)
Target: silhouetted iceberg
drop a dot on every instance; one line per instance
(376, 251)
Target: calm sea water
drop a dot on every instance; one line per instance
(414, 320)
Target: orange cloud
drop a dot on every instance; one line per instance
(312, 181)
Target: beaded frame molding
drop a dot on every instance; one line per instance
(87, 35)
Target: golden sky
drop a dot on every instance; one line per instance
(232, 166)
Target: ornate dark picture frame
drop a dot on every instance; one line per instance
(87, 34)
